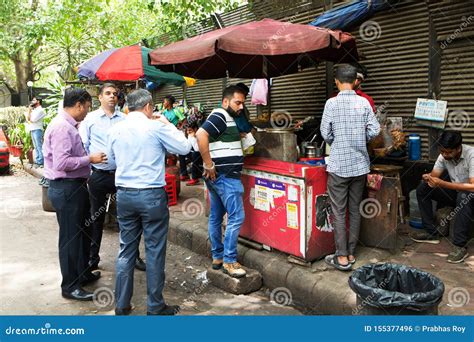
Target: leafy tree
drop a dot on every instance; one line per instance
(21, 35)
(39, 34)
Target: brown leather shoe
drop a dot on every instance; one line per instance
(234, 269)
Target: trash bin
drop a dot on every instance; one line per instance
(393, 289)
(46, 203)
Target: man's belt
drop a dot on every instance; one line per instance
(139, 189)
(110, 172)
(71, 180)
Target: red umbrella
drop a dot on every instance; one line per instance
(129, 63)
(265, 48)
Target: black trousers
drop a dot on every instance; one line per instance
(70, 199)
(100, 185)
(463, 212)
(183, 164)
(196, 171)
(196, 159)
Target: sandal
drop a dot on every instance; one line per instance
(331, 260)
(352, 262)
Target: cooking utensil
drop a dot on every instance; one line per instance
(312, 150)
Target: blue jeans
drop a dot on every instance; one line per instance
(226, 197)
(142, 210)
(37, 138)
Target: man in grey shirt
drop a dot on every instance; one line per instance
(458, 160)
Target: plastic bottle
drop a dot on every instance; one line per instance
(414, 147)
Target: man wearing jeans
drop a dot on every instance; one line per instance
(137, 146)
(348, 123)
(221, 151)
(35, 119)
(458, 160)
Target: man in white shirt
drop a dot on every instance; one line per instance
(35, 117)
(137, 146)
(94, 133)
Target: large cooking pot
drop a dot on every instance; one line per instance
(277, 143)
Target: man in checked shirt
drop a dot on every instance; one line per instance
(348, 123)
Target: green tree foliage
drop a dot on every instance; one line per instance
(39, 34)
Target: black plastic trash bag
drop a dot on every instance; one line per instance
(393, 289)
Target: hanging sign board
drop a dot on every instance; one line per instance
(431, 110)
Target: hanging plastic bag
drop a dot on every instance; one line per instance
(259, 92)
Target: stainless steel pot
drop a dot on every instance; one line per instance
(278, 144)
(311, 150)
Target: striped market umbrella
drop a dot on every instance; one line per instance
(128, 63)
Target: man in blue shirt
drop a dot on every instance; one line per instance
(94, 132)
(137, 146)
(348, 123)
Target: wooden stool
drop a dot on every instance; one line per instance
(392, 171)
(387, 170)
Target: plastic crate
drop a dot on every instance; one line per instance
(171, 189)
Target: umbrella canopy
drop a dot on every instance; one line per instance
(265, 48)
(348, 16)
(128, 63)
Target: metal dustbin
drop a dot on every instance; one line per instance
(393, 289)
(46, 203)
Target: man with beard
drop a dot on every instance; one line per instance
(221, 151)
(458, 160)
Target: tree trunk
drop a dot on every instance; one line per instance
(20, 74)
(24, 66)
(23, 70)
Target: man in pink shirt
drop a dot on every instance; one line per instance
(67, 166)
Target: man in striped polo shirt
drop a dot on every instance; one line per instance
(221, 151)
